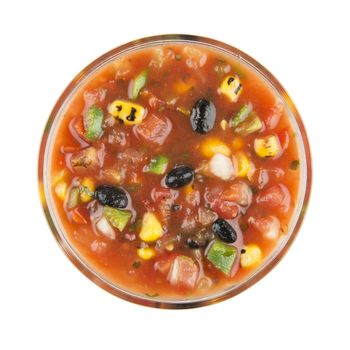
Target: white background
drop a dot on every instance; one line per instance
(46, 303)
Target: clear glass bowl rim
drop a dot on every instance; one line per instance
(48, 205)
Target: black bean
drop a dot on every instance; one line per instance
(200, 239)
(111, 196)
(224, 231)
(203, 116)
(179, 176)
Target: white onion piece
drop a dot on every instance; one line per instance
(104, 227)
(221, 166)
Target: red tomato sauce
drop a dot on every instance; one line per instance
(247, 176)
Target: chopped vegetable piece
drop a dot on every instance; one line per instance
(238, 192)
(221, 166)
(128, 112)
(213, 145)
(294, 165)
(104, 227)
(138, 83)
(151, 228)
(267, 147)
(73, 198)
(61, 189)
(84, 159)
(194, 58)
(250, 125)
(146, 253)
(118, 218)
(93, 119)
(222, 256)
(87, 189)
(155, 129)
(275, 197)
(231, 87)
(183, 272)
(157, 165)
(268, 226)
(244, 164)
(242, 115)
(252, 256)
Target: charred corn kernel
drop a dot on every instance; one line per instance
(237, 143)
(267, 147)
(244, 164)
(146, 253)
(87, 189)
(231, 87)
(212, 145)
(151, 228)
(252, 256)
(224, 124)
(61, 189)
(181, 87)
(130, 113)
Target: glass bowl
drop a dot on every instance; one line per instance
(73, 254)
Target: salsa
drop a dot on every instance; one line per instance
(175, 171)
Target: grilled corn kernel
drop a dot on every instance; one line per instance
(267, 147)
(61, 189)
(231, 87)
(87, 189)
(211, 146)
(224, 124)
(252, 256)
(151, 228)
(146, 253)
(244, 164)
(130, 113)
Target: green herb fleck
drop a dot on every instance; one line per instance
(178, 57)
(294, 165)
(161, 109)
(136, 264)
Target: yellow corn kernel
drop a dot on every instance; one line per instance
(252, 256)
(151, 228)
(224, 124)
(212, 145)
(244, 164)
(231, 87)
(130, 113)
(188, 189)
(181, 87)
(146, 253)
(61, 190)
(237, 143)
(267, 147)
(170, 247)
(87, 189)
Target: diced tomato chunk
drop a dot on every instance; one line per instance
(183, 272)
(268, 226)
(225, 209)
(154, 129)
(160, 193)
(163, 264)
(273, 118)
(275, 197)
(239, 192)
